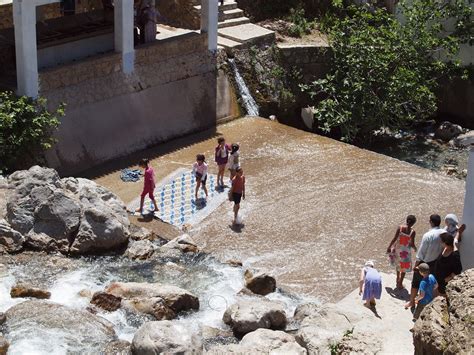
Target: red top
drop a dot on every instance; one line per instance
(238, 184)
(149, 178)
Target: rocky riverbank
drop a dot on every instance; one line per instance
(151, 296)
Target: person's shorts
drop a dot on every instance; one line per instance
(199, 177)
(236, 198)
(415, 283)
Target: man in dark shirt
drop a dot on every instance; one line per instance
(448, 264)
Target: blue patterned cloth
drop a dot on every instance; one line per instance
(129, 175)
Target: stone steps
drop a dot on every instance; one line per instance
(228, 5)
(247, 33)
(234, 22)
(229, 14)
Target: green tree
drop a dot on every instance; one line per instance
(385, 71)
(26, 128)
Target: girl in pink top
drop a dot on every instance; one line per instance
(148, 186)
(200, 171)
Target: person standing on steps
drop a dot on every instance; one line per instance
(400, 248)
(237, 192)
(428, 253)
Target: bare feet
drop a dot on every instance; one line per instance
(409, 305)
(139, 210)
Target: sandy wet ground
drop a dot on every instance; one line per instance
(316, 209)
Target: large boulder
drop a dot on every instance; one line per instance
(183, 243)
(4, 345)
(248, 315)
(448, 329)
(175, 298)
(262, 342)
(140, 250)
(260, 283)
(165, 337)
(321, 327)
(67, 215)
(48, 324)
(447, 131)
(11, 241)
(118, 347)
(106, 301)
(358, 343)
(24, 291)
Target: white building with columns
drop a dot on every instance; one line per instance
(121, 95)
(25, 19)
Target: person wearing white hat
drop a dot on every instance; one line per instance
(370, 284)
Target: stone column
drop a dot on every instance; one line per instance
(209, 22)
(123, 22)
(466, 246)
(24, 19)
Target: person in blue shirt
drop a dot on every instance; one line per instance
(426, 291)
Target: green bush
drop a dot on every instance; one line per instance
(300, 25)
(26, 128)
(385, 72)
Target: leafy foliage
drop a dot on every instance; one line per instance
(300, 25)
(385, 72)
(25, 130)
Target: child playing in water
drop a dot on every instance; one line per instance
(237, 191)
(234, 160)
(148, 185)
(200, 172)
(427, 289)
(370, 284)
(221, 157)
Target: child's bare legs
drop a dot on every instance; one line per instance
(205, 190)
(400, 278)
(154, 203)
(220, 175)
(236, 211)
(142, 200)
(198, 185)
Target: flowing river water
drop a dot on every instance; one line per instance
(316, 209)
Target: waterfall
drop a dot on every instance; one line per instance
(249, 102)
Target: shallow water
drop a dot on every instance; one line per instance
(214, 283)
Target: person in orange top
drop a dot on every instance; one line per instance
(237, 191)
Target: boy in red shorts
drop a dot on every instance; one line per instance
(237, 191)
(148, 186)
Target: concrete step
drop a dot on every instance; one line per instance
(228, 14)
(228, 5)
(248, 33)
(234, 22)
(227, 43)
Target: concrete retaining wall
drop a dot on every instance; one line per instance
(171, 93)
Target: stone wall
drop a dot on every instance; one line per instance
(312, 61)
(108, 114)
(47, 12)
(180, 13)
